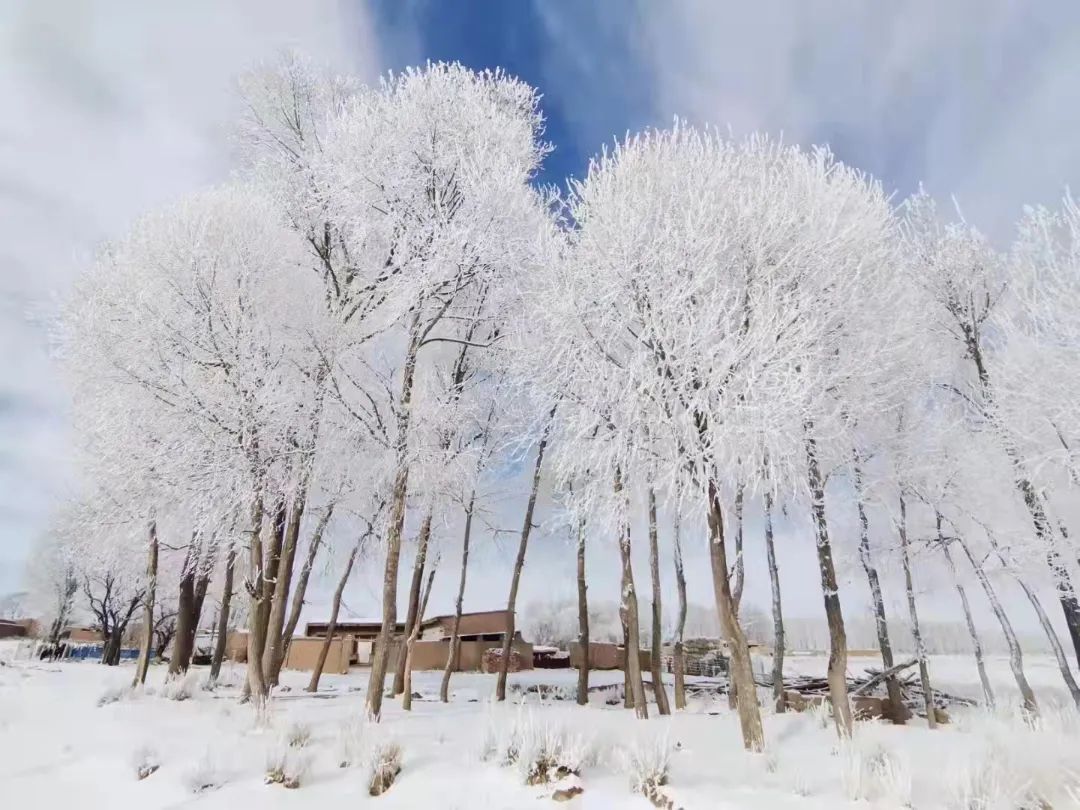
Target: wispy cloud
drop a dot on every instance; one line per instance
(111, 109)
(974, 97)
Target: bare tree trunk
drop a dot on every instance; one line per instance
(185, 617)
(881, 622)
(419, 564)
(740, 565)
(678, 653)
(1070, 606)
(628, 692)
(276, 640)
(414, 634)
(913, 614)
(222, 639)
(1055, 643)
(739, 574)
(1044, 622)
(146, 644)
(583, 618)
(1016, 656)
(976, 644)
(111, 653)
(454, 653)
(837, 670)
(519, 562)
(655, 670)
(257, 588)
(202, 585)
(632, 657)
(377, 681)
(742, 673)
(777, 610)
(324, 651)
(297, 606)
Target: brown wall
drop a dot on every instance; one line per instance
(432, 654)
(304, 654)
(236, 647)
(605, 655)
(84, 635)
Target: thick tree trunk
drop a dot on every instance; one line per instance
(335, 608)
(519, 563)
(976, 644)
(185, 619)
(454, 653)
(297, 606)
(881, 622)
(656, 642)
(837, 669)
(111, 654)
(222, 638)
(678, 654)
(258, 590)
(742, 674)
(146, 644)
(202, 585)
(419, 564)
(380, 659)
(913, 615)
(583, 618)
(740, 565)
(632, 650)
(777, 610)
(274, 656)
(414, 634)
(1016, 656)
(628, 692)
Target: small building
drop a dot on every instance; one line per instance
(11, 629)
(479, 631)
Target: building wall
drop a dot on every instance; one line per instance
(304, 654)
(604, 655)
(84, 635)
(431, 655)
(236, 646)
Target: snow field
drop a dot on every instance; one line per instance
(57, 746)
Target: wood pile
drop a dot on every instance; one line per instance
(867, 692)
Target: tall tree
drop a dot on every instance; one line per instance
(656, 644)
(964, 281)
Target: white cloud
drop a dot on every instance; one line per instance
(974, 97)
(110, 109)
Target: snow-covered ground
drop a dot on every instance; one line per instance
(59, 748)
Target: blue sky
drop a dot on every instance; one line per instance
(976, 98)
(117, 106)
(521, 38)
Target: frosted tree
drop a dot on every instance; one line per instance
(52, 585)
(730, 297)
(963, 282)
(418, 203)
(199, 318)
(1040, 332)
